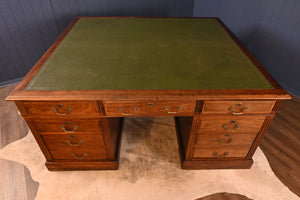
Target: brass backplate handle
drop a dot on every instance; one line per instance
(179, 108)
(69, 131)
(220, 156)
(225, 126)
(221, 142)
(74, 144)
(55, 109)
(83, 156)
(231, 108)
(132, 110)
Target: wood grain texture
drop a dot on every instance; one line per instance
(78, 153)
(231, 124)
(16, 182)
(281, 144)
(56, 109)
(152, 108)
(245, 107)
(71, 140)
(67, 126)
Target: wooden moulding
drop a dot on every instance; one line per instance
(217, 164)
(93, 165)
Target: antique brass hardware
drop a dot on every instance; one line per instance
(74, 144)
(231, 109)
(55, 109)
(83, 156)
(179, 108)
(150, 104)
(132, 111)
(225, 126)
(221, 142)
(66, 129)
(221, 156)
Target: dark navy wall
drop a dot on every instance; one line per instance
(29, 27)
(269, 28)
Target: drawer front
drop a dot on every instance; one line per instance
(232, 124)
(228, 139)
(61, 108)
(71, 126)
(238, 107)
(220, 153)
(79, 154)
(124, 108)
(135, 108)
(70, 140)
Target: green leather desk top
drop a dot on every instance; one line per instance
(147, 53)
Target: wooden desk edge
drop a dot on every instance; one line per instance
(22, 95)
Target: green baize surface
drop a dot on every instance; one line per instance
(147, 53)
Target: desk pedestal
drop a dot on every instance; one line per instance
(78, 135)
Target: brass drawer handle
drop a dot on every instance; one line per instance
(220, 140)
(179, 108)
(238, 113)
(74, 144)
(83, 156)
(220, 156)
(123, 113)
(66, 130)
(55, 109)
(225, 126)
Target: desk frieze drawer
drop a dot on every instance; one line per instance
(60, 108)
(238, 107)
(71, 140)
(227, 124)
(221, 152)
(69, 126)
(136, 108)
(79, 154)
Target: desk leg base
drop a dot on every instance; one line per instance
(93, 165)
(216, 164)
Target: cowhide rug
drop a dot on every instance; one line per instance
(149, 169)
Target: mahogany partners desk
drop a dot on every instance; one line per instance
(103, 69)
